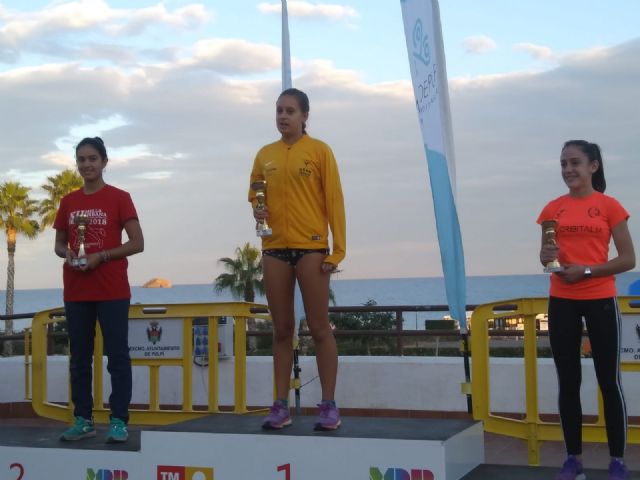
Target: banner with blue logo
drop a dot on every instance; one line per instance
(425, 46)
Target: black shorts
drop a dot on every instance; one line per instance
(292, 255)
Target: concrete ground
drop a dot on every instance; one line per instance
(503, 450)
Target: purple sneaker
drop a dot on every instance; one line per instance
(571, 470)
(279, 417)
(329, 417)
(618, 470)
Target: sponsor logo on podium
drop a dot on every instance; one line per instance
(104, 474)
(172, 472)
(393, 473)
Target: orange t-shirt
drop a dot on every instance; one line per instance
(583, 235)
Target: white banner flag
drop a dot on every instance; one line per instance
(429, 75)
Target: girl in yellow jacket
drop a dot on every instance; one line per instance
(303, 200)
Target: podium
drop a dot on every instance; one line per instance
(233, 447)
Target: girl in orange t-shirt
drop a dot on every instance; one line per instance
(585, 287)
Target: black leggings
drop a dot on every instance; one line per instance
(602, 318)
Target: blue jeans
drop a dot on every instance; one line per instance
(113, 316)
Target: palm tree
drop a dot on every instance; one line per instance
(243, 278)
(244, 274)
(16, 212)
(57, 187)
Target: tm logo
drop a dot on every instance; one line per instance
(400, 474)
(103, 474)
(421, 43)
(166, 472)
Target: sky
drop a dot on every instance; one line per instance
(183, 94)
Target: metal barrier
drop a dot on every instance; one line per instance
(28, 364)
(531, 428)
(180, 356)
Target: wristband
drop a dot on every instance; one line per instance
(105, 256)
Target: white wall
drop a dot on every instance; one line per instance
(412, 383)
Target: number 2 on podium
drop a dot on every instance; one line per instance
(20, 469)
(286, 468)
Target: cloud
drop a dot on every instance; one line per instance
(539, 52)
(155, 175)
(230, 56)
(479, 44)
(310, 10)
(31, 179)
(138, 20)
(508, 132)
(59, 159)
(483, 81)
(35, 31)
(589, 54)
(323, 73)
(201, 129)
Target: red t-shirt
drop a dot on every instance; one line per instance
(108, 210)
(583, 235)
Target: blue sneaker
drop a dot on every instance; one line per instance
(81, 428)
(618, 470)
(118, 432)
(571, 470)
(279, 417)
(329, 417)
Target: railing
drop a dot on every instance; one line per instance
(154, 415)
(398, 332)
(531, 428)
(39, 341)
(44, 322)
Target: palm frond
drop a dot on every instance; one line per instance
(243, 276)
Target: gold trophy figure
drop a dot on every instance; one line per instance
(260, 187)
(81, 221)
(549, 229)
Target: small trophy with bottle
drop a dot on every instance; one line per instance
(81, 259)
(260, 188)
(549, 229)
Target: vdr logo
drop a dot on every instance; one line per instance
(103, 474)
(166, 472)
(400, 474)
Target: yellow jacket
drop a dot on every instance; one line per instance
(304, 196)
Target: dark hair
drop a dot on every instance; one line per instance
(592, 151)
(302, 99)
(95, 142)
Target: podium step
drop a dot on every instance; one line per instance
(232, 447)
(511, 472)
(49, 437)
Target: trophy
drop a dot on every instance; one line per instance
(81, 221)
(549, 229)
(260, 187)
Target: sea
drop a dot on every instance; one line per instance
(387, 292)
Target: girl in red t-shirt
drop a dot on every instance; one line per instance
(89, 226)
(585, 287)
